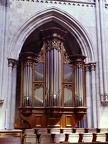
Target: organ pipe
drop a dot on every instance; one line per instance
(53, 73)
(27, 64)
(78, 61)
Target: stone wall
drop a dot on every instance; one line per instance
(14, 15)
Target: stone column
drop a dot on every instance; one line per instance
(2, 40)
(9, 97)
(13, 100)
(88, 96)
(99, 51)
(93, 94)
(104, 61)
(10, 65)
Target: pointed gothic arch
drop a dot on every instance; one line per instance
(60, 17)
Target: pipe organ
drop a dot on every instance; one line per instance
(52, 84)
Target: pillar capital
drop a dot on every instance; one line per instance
(12, 62)
(92, 66)
(87, 67)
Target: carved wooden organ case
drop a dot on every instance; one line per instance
(52, 84)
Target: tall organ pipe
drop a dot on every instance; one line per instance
(78, 61)
(26, 94)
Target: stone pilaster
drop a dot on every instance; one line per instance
(9, 110)
(14, 78)
(88, 96)
(103, 47)
(99, 50)
(93, 94)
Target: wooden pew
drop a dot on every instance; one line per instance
(10, 136)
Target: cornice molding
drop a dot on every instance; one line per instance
(68, 2)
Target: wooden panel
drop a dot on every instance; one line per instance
(68, 120)
(53, 122)
(10, 140)
(10, 136)
(38, 121)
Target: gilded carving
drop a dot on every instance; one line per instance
(69, 87)
(38, 86)
(79, 65)
(28, 63)
(54, 44)
(66, 57)
(40, 57)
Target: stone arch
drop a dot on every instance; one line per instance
(59, 16)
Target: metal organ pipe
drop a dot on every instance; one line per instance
(78, 61)
(53, 83)
(27, 86)
(27, 59)
(78, 87)
(59, 80)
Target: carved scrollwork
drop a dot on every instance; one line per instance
(40, 57)
(54, 44)
(66, 57)
(79, 65)
(28, 63)
(38, 86)
(69, 87)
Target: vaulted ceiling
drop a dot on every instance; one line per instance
(34, 41)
